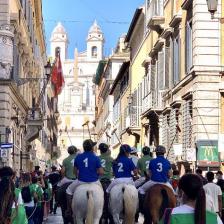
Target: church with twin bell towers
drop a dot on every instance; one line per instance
(76, 103)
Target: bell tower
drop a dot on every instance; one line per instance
(59, 42)
(95, 43)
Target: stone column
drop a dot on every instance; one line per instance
(6, 49)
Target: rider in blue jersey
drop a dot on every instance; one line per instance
(123, 168)
(159, 171)
(87, 168)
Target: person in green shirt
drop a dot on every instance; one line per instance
(193, 210)
(12, 210)
(35, 187)
(143, 166)
(67, 170)
(106, 163)
(18, 211)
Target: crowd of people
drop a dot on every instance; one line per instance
(30, 197)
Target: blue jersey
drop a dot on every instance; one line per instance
(122, 167)
(159, 168)
(87, 164)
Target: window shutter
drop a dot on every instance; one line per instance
(152, 83)
(16, 62)
(160, 7)
(148, 89)
(161, 70)
(179, 58)
(167, 66)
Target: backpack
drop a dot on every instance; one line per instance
(26, 194)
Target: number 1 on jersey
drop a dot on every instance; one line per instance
(86, 162)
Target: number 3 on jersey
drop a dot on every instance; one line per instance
(86, 162)
(160, 167)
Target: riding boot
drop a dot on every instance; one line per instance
(69, 205)
(141, 198)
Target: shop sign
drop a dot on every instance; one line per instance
(207, 153)
(4, 153)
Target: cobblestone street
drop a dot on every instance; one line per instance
(54, 219)
(57, 219)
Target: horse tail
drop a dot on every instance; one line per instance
(165, 202)
(130, 207)
(90, 207)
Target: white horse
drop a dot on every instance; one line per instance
(124, 197)
(87, 203)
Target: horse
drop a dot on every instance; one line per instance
(87, 203)
(60, 197)
(158, 198)
(123, 199)
(106, 216)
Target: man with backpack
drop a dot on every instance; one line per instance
(54, 178)
(29, 197)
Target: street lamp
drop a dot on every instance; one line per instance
(212, 7)
(47, 68)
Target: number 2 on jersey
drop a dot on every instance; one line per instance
(103, 163)
(86, 162)
(120, 169)
(147, 165)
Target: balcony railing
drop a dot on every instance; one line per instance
(155, 15)
(155, 9)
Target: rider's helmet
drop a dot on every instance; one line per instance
(160, 150)
(125, 148)
(72, 149)
(88, 145)
(146, 150)
(103, 147)
(133, 150)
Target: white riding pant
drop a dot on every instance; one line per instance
(139, 181)
(63, 181)
(145, 187)
(72, 187)
(123, 180)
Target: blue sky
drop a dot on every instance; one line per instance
(77, 16)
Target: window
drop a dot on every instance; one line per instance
(167, 64)
(176, 59)
(187, 124)
(57, 51)
(94, 51)
(153, 82)
(161, 70)
(188, 39)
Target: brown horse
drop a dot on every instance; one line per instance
(158, 198)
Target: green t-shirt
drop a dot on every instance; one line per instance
(106, 162)
(39, 191)
(18, 215)
(68, 164)
(143, 164)
(188, 218)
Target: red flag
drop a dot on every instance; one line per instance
(57, 78)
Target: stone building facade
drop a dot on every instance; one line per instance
(22, 76)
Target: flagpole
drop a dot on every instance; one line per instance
(43, 90)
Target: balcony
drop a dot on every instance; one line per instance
(155, 16)
(34, 124)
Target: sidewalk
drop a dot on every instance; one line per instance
(54, 219)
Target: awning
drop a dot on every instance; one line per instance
(99, 71)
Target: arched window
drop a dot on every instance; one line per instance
(94, 51)
(57, 50)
